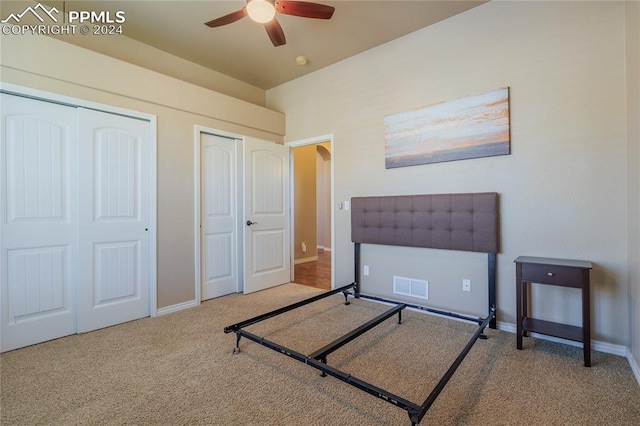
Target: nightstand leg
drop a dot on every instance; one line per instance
(519, 306)
(586, 318)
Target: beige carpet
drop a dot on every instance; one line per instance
(178, 369)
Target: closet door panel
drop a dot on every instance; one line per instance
(113, 225)
(37, 219)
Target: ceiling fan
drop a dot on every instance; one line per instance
(264, 11)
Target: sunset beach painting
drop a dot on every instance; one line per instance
(469, 127)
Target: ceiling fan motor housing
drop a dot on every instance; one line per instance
(264, 11)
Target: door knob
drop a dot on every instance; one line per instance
(249, 223)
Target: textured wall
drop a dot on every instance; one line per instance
(563, 189)
(633, 132)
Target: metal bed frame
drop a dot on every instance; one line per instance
(482, 212)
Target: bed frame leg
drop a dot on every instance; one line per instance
(346, 298)
(399, 317)
(356, 264)
(492, 268)
(237, 348)
(324, 361)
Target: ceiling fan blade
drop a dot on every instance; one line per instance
(304, 9)
(275, 32)
(228, 19)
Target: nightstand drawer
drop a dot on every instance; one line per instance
(552, 274)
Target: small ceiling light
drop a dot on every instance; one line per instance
(261, 11)
(301, 60)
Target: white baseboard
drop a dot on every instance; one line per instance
(177, 307)
(305, 260)
(634, 366)
(596, 345)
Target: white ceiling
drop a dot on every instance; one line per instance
(242, 50)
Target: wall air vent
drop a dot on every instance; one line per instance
(411, 287)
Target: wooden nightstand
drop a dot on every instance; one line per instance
(558, 272)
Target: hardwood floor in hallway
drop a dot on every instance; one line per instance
(315, 274)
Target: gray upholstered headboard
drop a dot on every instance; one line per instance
(467, 222)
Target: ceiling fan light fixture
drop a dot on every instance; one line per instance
(261, 11)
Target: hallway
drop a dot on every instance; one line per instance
(317, 273)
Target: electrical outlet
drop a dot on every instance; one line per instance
(365, 270)
(466, 285)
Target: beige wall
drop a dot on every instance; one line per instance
(305, 223)
(633, 134)
(138, 53)
(563, 188)
(54, 66)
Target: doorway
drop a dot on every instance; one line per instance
(242, 228)
(312, 186)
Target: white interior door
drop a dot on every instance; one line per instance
(37, 221)
(266, 217)
(219, 218)
(113, 219)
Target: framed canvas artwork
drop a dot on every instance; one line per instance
(469, 127)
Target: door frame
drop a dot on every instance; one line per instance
(313, 141)
(41, 95)
(198, 130)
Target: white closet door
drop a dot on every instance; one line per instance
(113, 219)
(218, 216)
(38, 217)
(267, 225)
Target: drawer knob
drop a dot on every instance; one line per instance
(550, 274)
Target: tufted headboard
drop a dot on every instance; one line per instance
(466, 222)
